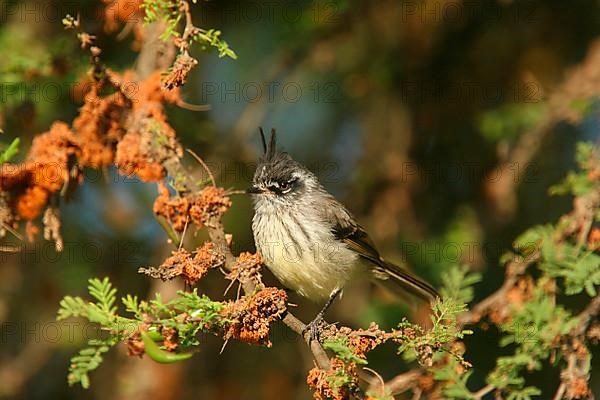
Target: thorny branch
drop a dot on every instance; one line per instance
(581, 84)
(575, 376)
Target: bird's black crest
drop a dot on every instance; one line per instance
(269, 150)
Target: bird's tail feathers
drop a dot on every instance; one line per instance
(398, 278)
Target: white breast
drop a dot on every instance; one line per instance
(302, 253)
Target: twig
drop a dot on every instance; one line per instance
(10, 249)
(193, 107)
(201, 162)
(233, 191)
(12, 231)
(513, 270)
(586, 317)
(405, 381)
(189, 23)
(483, 391)
(581, 83)
(560, 392)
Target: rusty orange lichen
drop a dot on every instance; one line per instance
(172, 267)
(250, 317)
(128, 12)
(150, 144)
(516, 296)
(99, 126)
(359, 341)
(132, 162)
(205, 258)
(578, 388)
(246, 267)
(182, 264)
(174, 209)
(135, 345)
(31, 203)
(120, 11)
(209, 205)
(45, 171)
(49, 155)
(594, 239)
(321, 381)
(177, 76)
(171, 341)
(128, 125)
(426, 382)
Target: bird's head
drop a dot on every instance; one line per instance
(278, 177)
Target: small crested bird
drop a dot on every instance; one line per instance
(309, 240)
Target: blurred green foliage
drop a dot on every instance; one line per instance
(511, 120)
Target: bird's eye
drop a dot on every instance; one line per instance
(282, 187)
(285, 187)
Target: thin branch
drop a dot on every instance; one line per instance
(189, 23)
(405, 381)
(560, 392)
(193, 107)
(513, 271)
(483, 391)
(201, 162)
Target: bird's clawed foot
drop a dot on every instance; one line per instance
(314, 328)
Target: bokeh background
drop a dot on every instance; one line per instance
(410, 112)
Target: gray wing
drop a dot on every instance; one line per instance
(357, 239)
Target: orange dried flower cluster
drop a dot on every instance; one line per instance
(120, 11)
(31, 202)
(177, 76)
(45, 171)
(516, 296)
(250, 317)
(135, 345)
(171, 341)
(247, 266)
(360, 341)
(99, 125)
(320, 380)
(594, 239)
(190, 267)
(150, 143)
(121, 127)
(209, 205)
(578, 388)
(202, 208)
(132, 162)
(173, 209)
(364, 341)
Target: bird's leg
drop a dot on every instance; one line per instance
(313, 326)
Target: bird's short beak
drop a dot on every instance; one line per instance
(254, 190)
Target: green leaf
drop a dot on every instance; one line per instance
(458, 282)
(576, 183)
(87, 360)
(532, 238)
(159, 355)
(339, 346)
(524, 394)
(10, 151)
